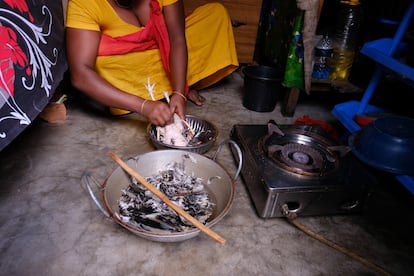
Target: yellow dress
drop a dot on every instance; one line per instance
(210, 41)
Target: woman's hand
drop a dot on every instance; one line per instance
(158, 113)
(178, 105)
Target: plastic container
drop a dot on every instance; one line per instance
(323, 52)
(345, 39)
(341, 63)
(386, 144)
(262, 88)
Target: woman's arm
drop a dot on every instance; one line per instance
(82, 48)
(175, 21)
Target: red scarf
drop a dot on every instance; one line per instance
(153, 36)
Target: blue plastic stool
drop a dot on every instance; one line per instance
(385, 52)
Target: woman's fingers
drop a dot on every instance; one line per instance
(159, 113)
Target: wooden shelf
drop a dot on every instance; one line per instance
(332, 86)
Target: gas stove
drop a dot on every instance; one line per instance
(300, 167)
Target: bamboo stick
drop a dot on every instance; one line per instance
(165, 199)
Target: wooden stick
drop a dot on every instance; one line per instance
(165, 199)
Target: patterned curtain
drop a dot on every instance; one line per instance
(32, 61)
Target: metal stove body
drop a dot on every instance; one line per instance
(301, 167)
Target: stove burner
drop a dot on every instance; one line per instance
(301, 150)
(297, 157)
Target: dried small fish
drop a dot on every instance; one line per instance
(139, 207)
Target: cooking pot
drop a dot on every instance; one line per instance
(386, 144)
(220, 187)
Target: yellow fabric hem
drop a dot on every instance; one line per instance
(119, 112)
(213, 78)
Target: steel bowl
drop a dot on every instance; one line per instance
(217, 182)
(386, 144)
(205, 136)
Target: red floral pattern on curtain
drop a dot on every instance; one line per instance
(32, 61)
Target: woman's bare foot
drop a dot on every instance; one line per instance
(196, 98)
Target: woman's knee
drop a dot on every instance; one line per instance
(217, 9)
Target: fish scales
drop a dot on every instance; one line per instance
(141, 208)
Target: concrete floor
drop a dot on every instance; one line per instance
(50, 226)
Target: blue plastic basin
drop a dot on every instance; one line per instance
(386, 144)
